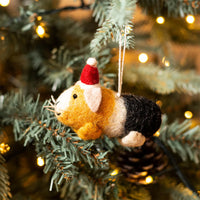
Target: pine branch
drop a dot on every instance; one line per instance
(182, 139)
(64, 152)
(121, 12)
(60, 68)
(19, 111)
(4, 181)
(89, 187)
(108, 32)
(120, 16)
(64, 63)
(166, 81)
(100, 10)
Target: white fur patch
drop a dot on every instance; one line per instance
(62, 102)
(117, 120)
(93, 98)
(92, 94)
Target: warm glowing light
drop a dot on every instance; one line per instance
(188, 114)
(149, 179)
(144, 173)
(40, 161)
(143, 57)
(157, 134)
(4, 148)
(190, 19)
(167, 63)
(4, 3)
(39, 18)
(160, 20)
(40, 31)
(2, 38)
(114, 172)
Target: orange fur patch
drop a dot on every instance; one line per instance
(87, 124)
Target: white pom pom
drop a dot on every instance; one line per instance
(133, 139)
(92, 62)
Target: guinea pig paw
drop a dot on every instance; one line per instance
(89, 131)
(133, 139)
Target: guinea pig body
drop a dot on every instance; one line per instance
(93, 111)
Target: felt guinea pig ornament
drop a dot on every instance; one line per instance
(92, 110)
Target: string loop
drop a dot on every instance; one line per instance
(121, 61)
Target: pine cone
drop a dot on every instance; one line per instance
(140, 162)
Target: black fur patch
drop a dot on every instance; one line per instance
(143, 115)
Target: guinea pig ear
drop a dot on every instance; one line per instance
(93, 98)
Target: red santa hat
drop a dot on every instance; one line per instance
(90, 73)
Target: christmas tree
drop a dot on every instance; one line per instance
(149, 48)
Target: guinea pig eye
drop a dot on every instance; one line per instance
(75, 96)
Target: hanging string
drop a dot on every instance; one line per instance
(123, 58)
(119, 66)
(121, 62)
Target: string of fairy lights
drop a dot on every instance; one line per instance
(41, 31)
